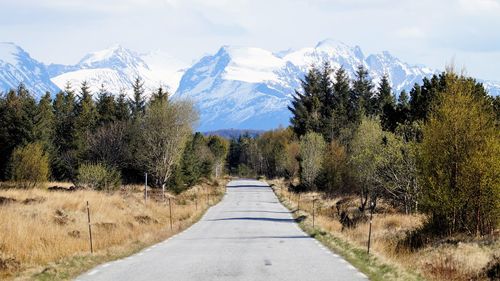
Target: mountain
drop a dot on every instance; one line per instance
(237, 87)
(117, 67)
(17, 66)
(240, 87)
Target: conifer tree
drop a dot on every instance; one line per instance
(306, 105)
(122, 112)
(361, 94)
(138, 102)
(44, 123)
(106, 107)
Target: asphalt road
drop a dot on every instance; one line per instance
(249, 235)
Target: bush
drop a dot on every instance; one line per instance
(29, 165)
(98, 177)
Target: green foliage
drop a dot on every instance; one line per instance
(138, 103)
(365, 157)
(459, 159)
(98, 177)
(29, 165)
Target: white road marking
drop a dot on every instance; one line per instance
(93, 272)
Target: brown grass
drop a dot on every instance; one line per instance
(38, 227)
(464, 260)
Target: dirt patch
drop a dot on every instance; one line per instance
(6, 200)
(36, 200)
(145, 219)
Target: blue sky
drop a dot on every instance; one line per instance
(428, 32)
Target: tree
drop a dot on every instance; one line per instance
(459, 160)
(29, 165)
(334, 170)
(165, 129)
(44, 122)
(106, 107)
(384, 97)
(85, 117)
(365, 158)
(397, 172)
(64, 162)
(312, 146)
(110, 145)
(17, 110)
(138, 102)
(197, 160)
(219, 148)
(306, 105)
(122, 111)
(362, 95)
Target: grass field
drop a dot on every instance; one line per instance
(454, 258)
(44, 234)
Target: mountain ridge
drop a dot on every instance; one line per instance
(236, 87)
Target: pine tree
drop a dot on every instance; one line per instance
(306, 105)
(44, 123)
(362, 95)
(106, 107)
(122, 112)
(138, 103)
(384, 96)
(63, 164)
(17, 110)
(160, 95)
(86, 115)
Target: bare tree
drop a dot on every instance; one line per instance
(164, 131)
(312, 147)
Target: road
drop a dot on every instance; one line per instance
(249, 235)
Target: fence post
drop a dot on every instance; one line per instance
(314, 200)
(146, 188)
(90, 228)
(196, 201)
(170, 207)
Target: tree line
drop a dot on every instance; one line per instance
(100, 140)
(435, 150)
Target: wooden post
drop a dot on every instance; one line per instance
(146, 188)
(196, 201)
(314, 200)
(170, 207)
(90, 228)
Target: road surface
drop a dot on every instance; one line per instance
(249, 235)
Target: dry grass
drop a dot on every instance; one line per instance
(38, 227)
(442, 261)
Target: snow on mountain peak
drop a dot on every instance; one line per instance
(252, 65)
(10, 53)
(115, 55)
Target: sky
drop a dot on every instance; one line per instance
(428, 32)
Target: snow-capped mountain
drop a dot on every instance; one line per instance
(240, 87)
(237, 87)
(117, 67)
(16, 66)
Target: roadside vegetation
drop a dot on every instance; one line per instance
(426, 164)
(57, 154)
(45, 233)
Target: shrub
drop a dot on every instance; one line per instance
(98, 177)
(29, 165)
